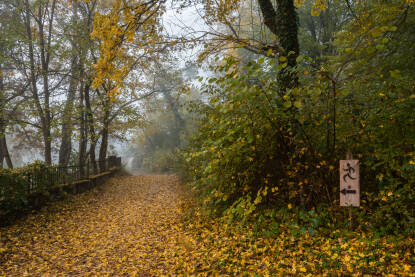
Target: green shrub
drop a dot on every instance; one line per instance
(16, 185)
(257, 149)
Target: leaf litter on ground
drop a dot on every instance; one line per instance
(152, 226)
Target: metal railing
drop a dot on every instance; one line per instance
(58, 175)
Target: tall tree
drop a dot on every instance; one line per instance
(4, 151)
(67, 117)
(10, 88)
(39, 19)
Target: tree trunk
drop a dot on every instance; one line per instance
(3, 145)
(90, 121)
(1, 159)
(45, 60)
(67, 122)
(67, 126)
(179, 122)
(43, 111)
(82, 130)
(33, 79)
(282, 21)
(104, 136)
(4, 151)
(103, 148)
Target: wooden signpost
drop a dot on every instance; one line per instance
(349, 184)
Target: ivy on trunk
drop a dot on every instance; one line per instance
(282, 22)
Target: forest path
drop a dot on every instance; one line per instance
(127, 227)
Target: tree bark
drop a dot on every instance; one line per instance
(45, 61)
(43, 111)
(67, 121)
(3, 145)
(282, 21)
(179, 122)
(4, 151)
(91, 127)
(1, 159)
(105, 132)
(82, 130)
(103, 147)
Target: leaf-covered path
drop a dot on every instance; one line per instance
(125, 228)
(150, 226)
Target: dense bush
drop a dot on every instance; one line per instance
(16, 183)
(257, 148)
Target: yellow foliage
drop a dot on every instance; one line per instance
(127, 29)
(319, 5)
(150, 226)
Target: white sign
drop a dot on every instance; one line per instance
(349, 183)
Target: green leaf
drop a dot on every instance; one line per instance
(287, 104)
(298, 104)
(295, 91)
(344, 92)
(393, 28)
(261, 61)
(380, 47)
(269, 52)
(396, 74)
(370, 49)
(317, 91)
